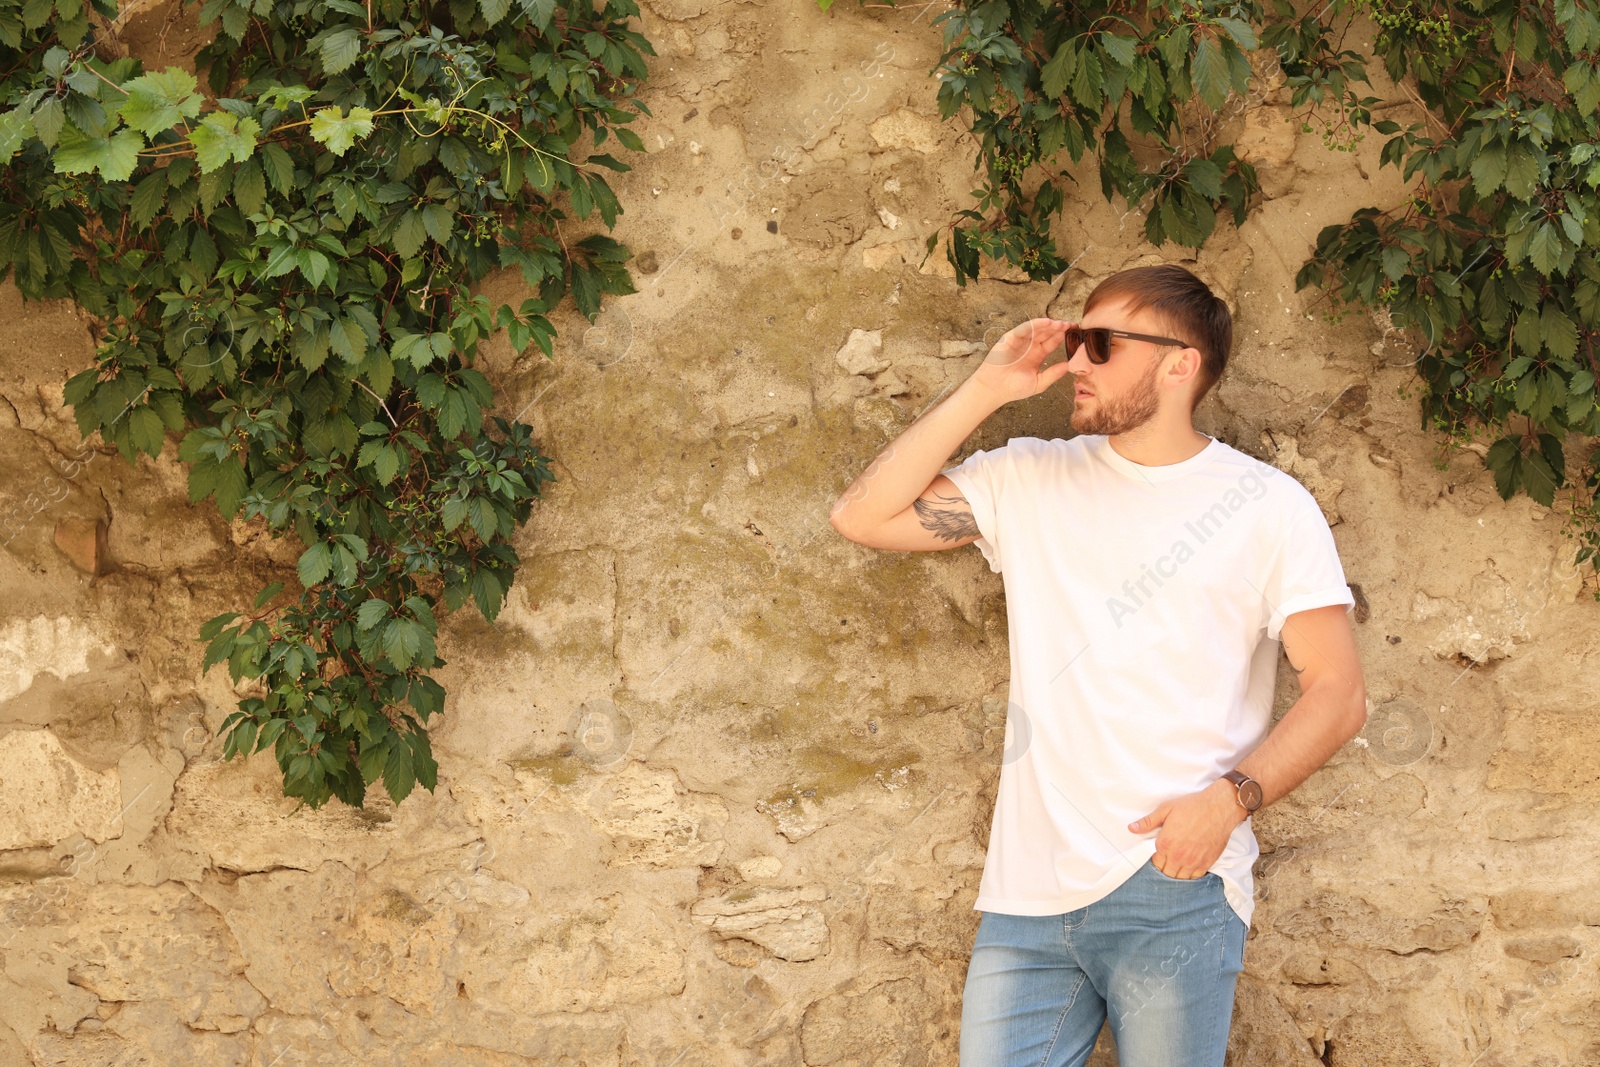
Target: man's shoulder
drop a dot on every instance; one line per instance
(1067, 448)
(1048, 458)
(1258, 478)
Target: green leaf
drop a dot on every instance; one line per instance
(314, 564)
(159, 100)
(422, 762)
(372, 613)
(1539, 479)
(1489, 170)
(1209, 71)
(1560, 333)
(1545, 249)
(1087, 81)
(487, 592)
(387, 464)
(1396, 261)
(1120, 49)
(1522, 171)
(113, 158)
(410, 233)
(1058, 72)
(1529, 333)
(494, 10)
(282, 96)
(214, 188)
(398, 776)
(629, 139)
(338, 132)
(16, 127)
(270, 732)
(146, 429)
(48, 120)
(1240, 31)
(438, 218)
(278, 166)
(235, 21)
(241, 739)
(148, 197)
(249, 187)
(35, 13)
(340, 48)
(401, 642)
(1205, 177)
(1584, 85)
(344, 565)
(373, 757)
(539, 12)
(1504, 458)
(348, 340)
(309, 344)
(453, 512)
(222, 136)
(313, 267)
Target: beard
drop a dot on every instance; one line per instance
(1125, 413)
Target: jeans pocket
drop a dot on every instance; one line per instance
(1165, 877)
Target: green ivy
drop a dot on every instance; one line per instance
(1493, 260)
(279, 265)
(1041, 78)
(1494, 263)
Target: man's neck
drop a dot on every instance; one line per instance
(1151, 447)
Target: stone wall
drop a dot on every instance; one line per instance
(715, 787)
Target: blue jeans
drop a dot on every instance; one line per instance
(1158, 956)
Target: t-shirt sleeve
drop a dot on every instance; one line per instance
(1306, 572)
(980, 478)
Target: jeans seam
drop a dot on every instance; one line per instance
(1055, 1034)
(1222, 963)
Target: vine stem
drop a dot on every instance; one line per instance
(381, 402)
(185, 147)
(105, 79)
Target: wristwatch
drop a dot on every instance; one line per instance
(1249, 789)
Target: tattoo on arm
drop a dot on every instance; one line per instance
(948, 517)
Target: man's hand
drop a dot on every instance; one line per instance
(1013, 369)
(1195, 829)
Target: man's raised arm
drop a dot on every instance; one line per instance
(901, 501)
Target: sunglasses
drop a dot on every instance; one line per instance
(1097, 341)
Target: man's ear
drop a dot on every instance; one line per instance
(1196, 364)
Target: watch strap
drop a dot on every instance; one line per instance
(1239, 778)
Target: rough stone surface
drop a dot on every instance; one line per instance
(860, 353)
(776, 919)
(47, 797)
(716, 785)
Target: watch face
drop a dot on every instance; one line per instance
(1250, 793)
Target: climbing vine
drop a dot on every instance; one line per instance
(279, 266)
(1493, 263)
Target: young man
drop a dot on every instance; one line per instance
(1150, 573)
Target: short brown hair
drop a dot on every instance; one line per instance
(1186, 306)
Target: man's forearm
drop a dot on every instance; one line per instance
(907, 464)
(1310, 732)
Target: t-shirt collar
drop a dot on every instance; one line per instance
(1103, 449)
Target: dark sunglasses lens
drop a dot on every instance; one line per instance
(1099, 345)
(1097, 341)
(1093, 340)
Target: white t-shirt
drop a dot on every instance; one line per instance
(1144, 607)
